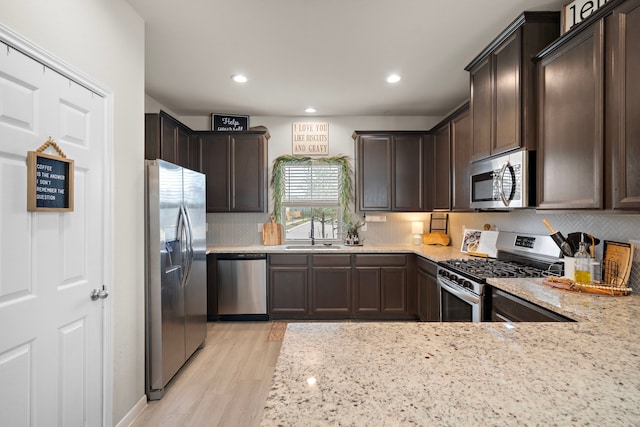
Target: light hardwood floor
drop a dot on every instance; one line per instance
(224, 384)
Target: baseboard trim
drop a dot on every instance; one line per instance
(131, 416)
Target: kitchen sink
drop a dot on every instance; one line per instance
(312, 247)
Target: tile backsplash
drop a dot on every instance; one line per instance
(243, 228)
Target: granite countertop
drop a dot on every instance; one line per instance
(494, 374)
(434, 252)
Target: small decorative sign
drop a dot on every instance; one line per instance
(49, 180)
(578, 10)
(310, 139)
(229, 123)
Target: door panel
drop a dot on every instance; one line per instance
(52, 355)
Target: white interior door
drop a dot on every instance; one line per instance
(51, 332)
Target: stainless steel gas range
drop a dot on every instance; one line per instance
(461, 282)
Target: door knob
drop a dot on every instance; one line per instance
(99, 294)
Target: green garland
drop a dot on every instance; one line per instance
(277, 180)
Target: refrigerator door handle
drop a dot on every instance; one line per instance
(189, 260)
(184, 248)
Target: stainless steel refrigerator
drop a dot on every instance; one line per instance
(176, 283)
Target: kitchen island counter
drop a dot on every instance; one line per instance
(582, 373)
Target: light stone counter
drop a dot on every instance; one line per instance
(464, 374)
(435, 252)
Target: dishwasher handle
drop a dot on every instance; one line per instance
(241, 257)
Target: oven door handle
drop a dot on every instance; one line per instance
(465, 296)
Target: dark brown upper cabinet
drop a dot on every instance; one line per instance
(588, 151)
(447, 162)
(622, 109)
(461, 146)
(503, 95)
(236, 167)
(389, 171)
(570, 150)
(442, 167)
(168, 139)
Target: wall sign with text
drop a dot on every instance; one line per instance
(49, 181)
(310, 139)
(229, 123)
(578, 10)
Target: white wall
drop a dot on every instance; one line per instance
(104, 39)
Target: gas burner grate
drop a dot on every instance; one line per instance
(484, 268)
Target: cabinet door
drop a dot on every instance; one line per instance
(393, 290)
(374, 173)
(366, 290)
(570, 151)
(407, 176)
(622, 106)
(428, 298)
(248, 173)
(215, 164)
(481, 108)
(168, 139)
(288, 290)
(461, 146)
(506, 81)
(182, 147)
(331, 291)
(442, 169)
(193, 161)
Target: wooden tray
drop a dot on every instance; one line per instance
(593, 288)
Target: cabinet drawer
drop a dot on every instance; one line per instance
(286, 259)
(331, 260)
(429, 266)
(381, 260)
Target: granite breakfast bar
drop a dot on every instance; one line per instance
(446, 374)
(463, 374)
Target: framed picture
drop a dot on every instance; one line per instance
(229, 123)
(49, 183)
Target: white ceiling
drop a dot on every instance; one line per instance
(333, 55)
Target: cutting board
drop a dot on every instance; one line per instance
(272, 233)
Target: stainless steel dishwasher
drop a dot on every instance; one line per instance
(242, 286)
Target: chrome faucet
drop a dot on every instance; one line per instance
(313, 238)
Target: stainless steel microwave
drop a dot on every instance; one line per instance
(504, 182)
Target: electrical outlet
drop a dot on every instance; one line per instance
(259, 227)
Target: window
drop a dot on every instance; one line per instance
(311, 194)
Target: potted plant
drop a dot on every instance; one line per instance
(352, 229)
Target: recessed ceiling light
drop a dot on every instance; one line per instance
(239, 78)
(393, 78)
(310, 110)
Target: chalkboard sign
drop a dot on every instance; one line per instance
(49, 183)
(229, 123)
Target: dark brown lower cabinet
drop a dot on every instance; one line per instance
(288, 285)
(341, 286)
(428, 298)
(382, 286)
(506, 307)
(331, 291)
(331, 285)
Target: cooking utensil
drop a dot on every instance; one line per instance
(574, 241)
(559, 239)
(272, 232)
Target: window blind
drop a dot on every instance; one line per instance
(312, 184)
